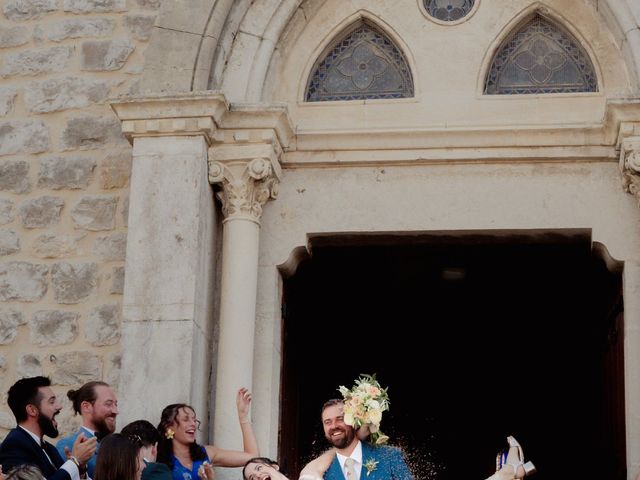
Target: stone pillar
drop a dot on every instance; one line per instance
(169, 281)
(244, 163)
(631, 281)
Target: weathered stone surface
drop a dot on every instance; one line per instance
(7, 211)
(140, 25)
(115, 365)
(50, 245)
(154, 4)
(111, 247)
(17, 10)
(73, 282)
(13, 36)
(62, 93)
(125, 211)
(23, 281)
(96, 212)
(115, 169)
(41, 212)
(14, 176)
(22, 136)
(10, 320)
(117, 280)
(74, 28)
(65, 172)
(103, 326)
(9, 242)
(36, 62)
(3, 362)
(53, 327)
(28, 365)
(90, 132)
(105, 55)
(7, 99)
(92, 6)
(76, 368)
(7, 421)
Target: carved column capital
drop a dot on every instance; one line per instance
(629, 145)
(245, 164)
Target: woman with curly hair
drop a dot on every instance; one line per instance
(189, 460)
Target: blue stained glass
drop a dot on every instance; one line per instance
(363, 64)
(540, 57)
(448, 10)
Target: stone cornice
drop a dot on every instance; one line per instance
(438, 144)
(197, 113)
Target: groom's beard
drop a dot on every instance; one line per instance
(47, 425)
(345, 440)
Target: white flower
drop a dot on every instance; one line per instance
(364, 404)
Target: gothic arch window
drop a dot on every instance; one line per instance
(362, 63)
(540, 57)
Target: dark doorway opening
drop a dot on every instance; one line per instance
(522, 337)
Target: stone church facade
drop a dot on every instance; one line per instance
(171, 170)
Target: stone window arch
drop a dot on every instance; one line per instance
(361, 63)
(540, 57)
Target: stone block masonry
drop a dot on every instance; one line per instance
(64, 187)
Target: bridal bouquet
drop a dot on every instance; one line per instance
(364, 404)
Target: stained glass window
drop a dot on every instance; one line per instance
(364, 63)
(448, 10)
(540, 58)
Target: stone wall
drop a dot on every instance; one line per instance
(64, 178)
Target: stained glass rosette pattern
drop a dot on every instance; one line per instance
(541, 58)
(364, 64)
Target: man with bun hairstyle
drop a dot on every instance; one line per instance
(35, 406)
(98, 406)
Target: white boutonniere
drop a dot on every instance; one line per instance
(370, 465)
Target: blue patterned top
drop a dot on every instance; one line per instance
(180, 472)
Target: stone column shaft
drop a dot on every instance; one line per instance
(167, 307)
(248, 174)
(631, 281)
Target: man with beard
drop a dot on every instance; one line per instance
(98, 406)
(35, 406)
(355, 459)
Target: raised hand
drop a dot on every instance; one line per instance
(84, 448)
(243, 402)
(205, 472)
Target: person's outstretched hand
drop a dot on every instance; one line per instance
(243, 402)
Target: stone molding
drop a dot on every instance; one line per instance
(246, 141)
(169, 115)
(244, 158)
(629, 145)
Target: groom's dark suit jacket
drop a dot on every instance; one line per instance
(19, 448)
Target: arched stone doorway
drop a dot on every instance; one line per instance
(521, 337)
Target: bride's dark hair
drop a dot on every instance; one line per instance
(165, 445)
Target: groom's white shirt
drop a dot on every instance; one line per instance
(357, 458)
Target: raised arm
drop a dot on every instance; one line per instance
(315, 469)
(236, 458)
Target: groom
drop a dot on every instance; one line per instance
(356, 460)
